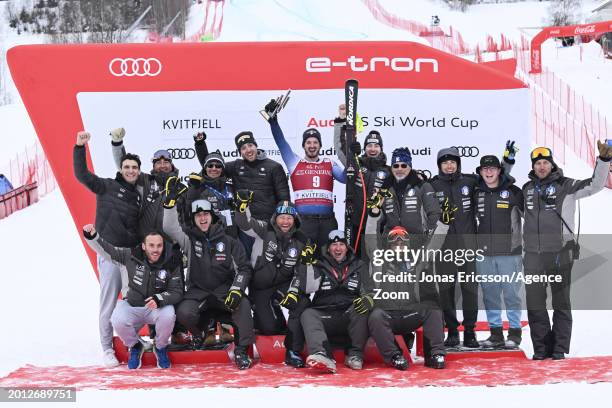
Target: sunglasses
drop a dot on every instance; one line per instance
(541, 152)
(400, 165)
(283, 209)
(214, 166)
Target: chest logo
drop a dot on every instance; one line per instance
(292, 252)
(504, 194)
(465, 190)
(220, 247)
(411, 192)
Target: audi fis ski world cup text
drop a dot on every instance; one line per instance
(357, 64)
(413, 121)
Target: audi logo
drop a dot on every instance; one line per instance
(468, 151)
(187, 153)
(139, 67)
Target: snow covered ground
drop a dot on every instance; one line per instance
(50, 299)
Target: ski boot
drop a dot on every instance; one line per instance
(241, 358)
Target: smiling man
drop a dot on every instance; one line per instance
(278, 243)
(117, 208)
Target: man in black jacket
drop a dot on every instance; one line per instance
(550, 245)
(218, 272)
(278, 244)
(117, 209)
(254, 171)
(339, 306)
(152, 285)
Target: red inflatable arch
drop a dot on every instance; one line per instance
(591, 29)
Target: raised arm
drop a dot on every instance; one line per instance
(590, 186)
(172, 229)
(338, 172)
(201, 147)
(79, 161)
(103, 248)
(290, 158)
(339, 123)
(249, 225)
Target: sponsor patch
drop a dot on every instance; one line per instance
(411, 192)
(550, 190)
(465, 190)
(292, 252)
(502, 205)
(220, 247)
(504, 194)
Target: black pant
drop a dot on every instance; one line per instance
(269, 318)
(320, 325)
(547, 340)
(318, 227)
(188, 314)
(469, 295)
(384, 325)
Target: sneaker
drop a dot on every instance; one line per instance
(400, 362)
(181, 338)
(558, 356)
(354, 362)
(163, 361)
(241, 358)
(495, 340)
(437, 361)
(293, 359)
(197, 342)
(514, 338)
(452, 339)
(322, 362)
(135, 359)
(469, 339)
(109, 359)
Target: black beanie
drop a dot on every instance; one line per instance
(245, 137)
(373, 137)
(311, 132)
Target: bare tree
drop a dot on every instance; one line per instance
(564, 12)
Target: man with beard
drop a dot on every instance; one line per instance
(312, 179)
(218, 272)
(373, 167)
(152, 285)
(253, 171)
(150, 185)
(212, 185)
(339, 306)
(278, 244)
(117, 207)
(551, 247)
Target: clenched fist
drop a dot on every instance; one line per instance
(82, 138)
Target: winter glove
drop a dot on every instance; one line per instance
(89, 232)
(232, 301)
(510, 152)
(194, 180)
(174, 189)
(375, 203)
(307, 256)
(199, 137)
(448, 212)
(243, 199)
(271, 107)
(290, 301)
(356, 148)
(363, 304)
(117, 135)
(605, 150)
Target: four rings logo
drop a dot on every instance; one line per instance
(468, 151)
(186, 153)
(130, 67)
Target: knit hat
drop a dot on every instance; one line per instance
(488, 161)
(245, 137)
(373, 137)
(214, 156)
(540, 153)
(401, 155)
(311, 132)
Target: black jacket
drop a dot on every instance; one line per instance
(335, 285)
(162, 280)
(498, 212)
(216, 261)
(275, 254)
(265, 177)
(118, 203)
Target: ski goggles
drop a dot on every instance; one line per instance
(541, 152)
(336, 236)
(286, 209)
(201, 205)
(398, 235)
(162, 154)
